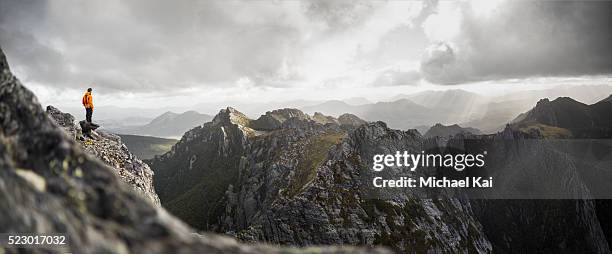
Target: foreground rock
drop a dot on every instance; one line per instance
(109, 148)
(48, 184)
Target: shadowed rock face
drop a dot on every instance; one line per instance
(526, 167)
(48, 184)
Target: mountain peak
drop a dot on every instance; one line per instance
(287, 113)
(275, 118)
(323, 119)
(168, 113)
(543, 101)
(566, 100)
(230, 115)
(558, 102)
(350, 120)
(566, 113)
(440, 130)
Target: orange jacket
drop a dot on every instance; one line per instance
(88, 100)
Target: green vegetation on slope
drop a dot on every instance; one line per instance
(146, 147)
(314, 153)
(546, 131)
(199, 205)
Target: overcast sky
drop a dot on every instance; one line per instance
(181, 53)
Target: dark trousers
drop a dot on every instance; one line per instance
(88, 113)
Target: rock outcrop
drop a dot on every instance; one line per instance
(323, 119)
(50, 185)
(109, 148)
(350, 120)
(274, 119)
(445, 131)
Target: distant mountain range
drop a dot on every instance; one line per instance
(404, 112)
(167, 125)
(447, 99)
(488, 114)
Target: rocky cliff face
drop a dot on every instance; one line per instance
(297, 181)
(109, 148)
(49, 185)
(279, 202)
(527, 166)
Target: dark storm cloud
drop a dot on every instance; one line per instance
(34, 57)
(525, 38)
(131, 45)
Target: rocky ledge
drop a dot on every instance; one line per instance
(109, 148)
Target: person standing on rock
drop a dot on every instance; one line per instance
(88, 104)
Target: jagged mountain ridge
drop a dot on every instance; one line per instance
(582, 120)
(220, 143)
(291, 179)
(277, 195)
(49, 185)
